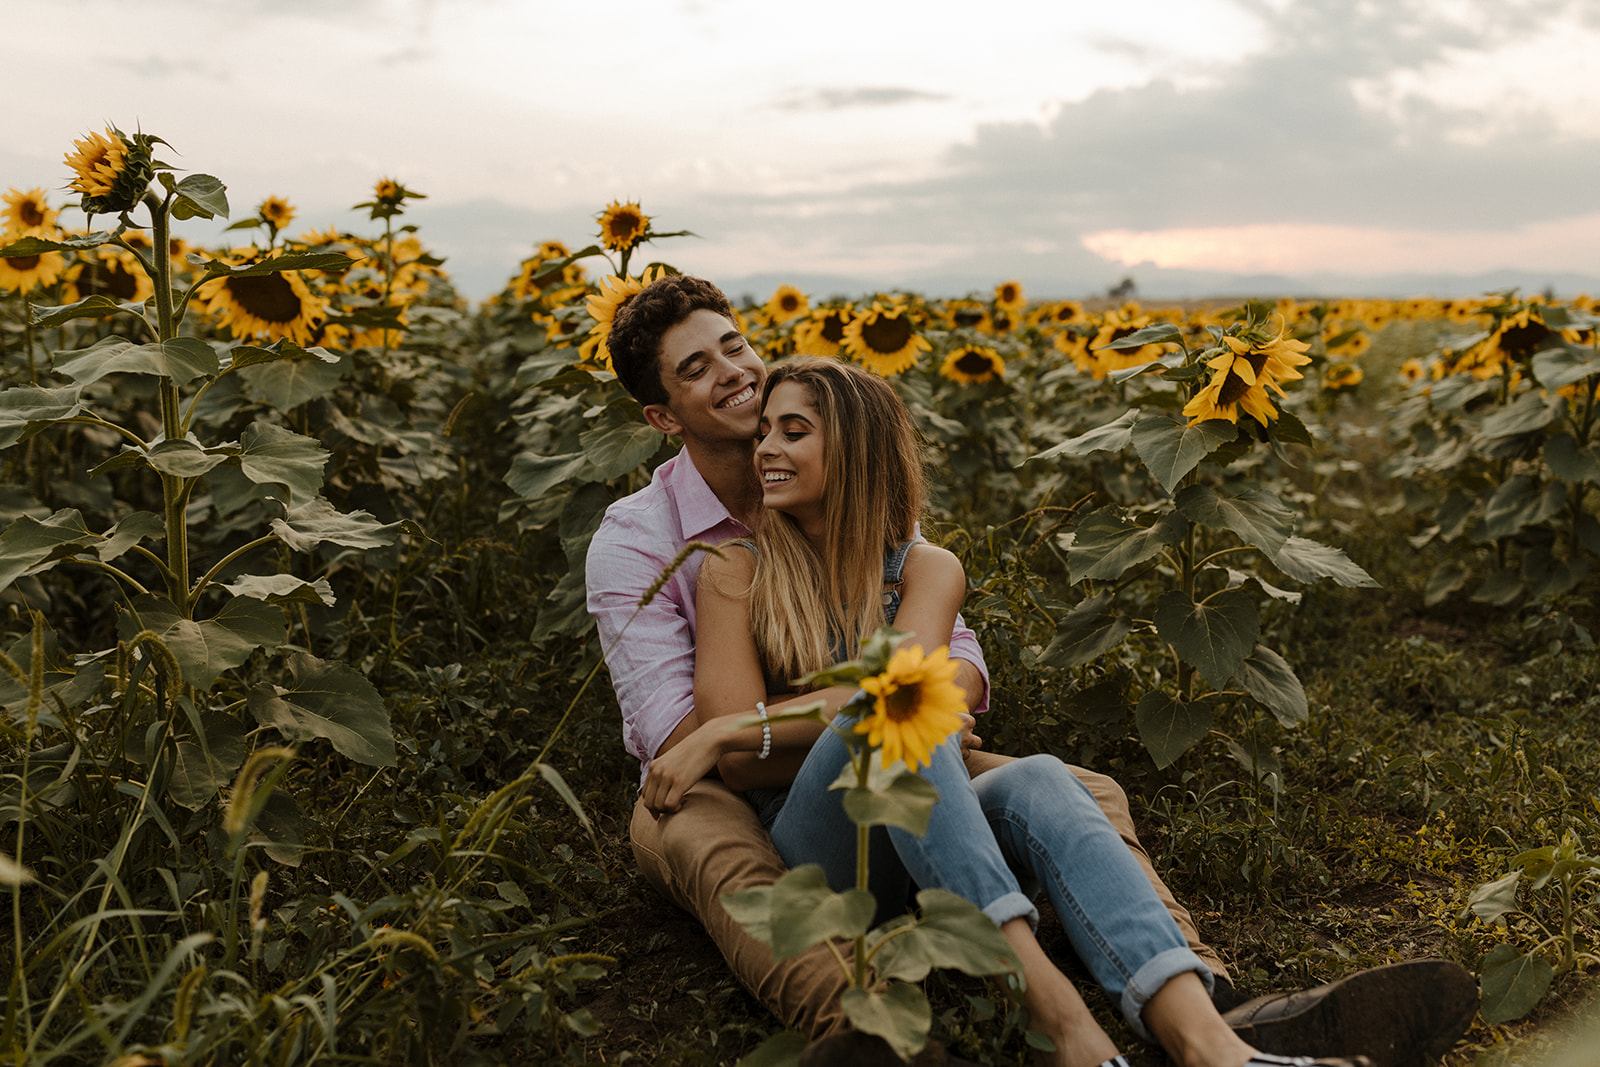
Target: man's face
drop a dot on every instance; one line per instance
(713, 381)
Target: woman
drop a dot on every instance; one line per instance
(835, 558)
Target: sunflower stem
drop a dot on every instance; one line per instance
(174, 490)
(864, 755)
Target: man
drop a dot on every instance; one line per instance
(677, 350)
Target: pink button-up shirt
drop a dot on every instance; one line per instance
(652, 664)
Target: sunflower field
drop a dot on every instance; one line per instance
(307, 752)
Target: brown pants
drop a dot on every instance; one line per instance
(715, 845)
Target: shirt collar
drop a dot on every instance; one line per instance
(699, 510)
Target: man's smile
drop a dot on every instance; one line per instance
(743, 396)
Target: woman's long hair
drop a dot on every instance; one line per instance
(808, 606)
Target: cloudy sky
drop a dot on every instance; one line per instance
(941, 145)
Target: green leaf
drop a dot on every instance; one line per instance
(26, 409)
(1550, 575)
(205, 649)
(1569, 462)
(1256, 515)
(1288, 427)
(900, 1015)
(619, 443)
(1100, 704)
(1260, 760)
(183, 359)
(1159, 333)
(1112, 437)
(1515, 504)
(329, 261)
(1105, 544)
(35, 246)
(553, 779)
(1171, 448)
(200, 196)
(1447, 578)
(316, 521)
(1493, 901)
(328, 700)
(1528, 412)
(1307, 561)
(898, 798)
(98, 306)
(242, 356)
(533, 475)
(947, 931)
(278, 827)
(292, 379)
(1555, 367)
(282, 589)
(271, 455)
(204, 768)
(782, 1049)
(183, 459)
(1214, 635)
(1501, 588)
(799, 910)
(1268, 677)
(28, 542)
(1512, 984)
(1170, 727)
(1088, 631)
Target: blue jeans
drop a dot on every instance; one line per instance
(994, 841)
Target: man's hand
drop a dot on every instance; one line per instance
(675, 769)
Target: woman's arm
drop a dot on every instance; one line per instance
(728, 683)
(934, 584)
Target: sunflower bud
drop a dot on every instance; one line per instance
(113, 170)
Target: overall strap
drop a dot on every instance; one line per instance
(894, 562)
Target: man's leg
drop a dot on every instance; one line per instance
(1114, 802)
(714, 845)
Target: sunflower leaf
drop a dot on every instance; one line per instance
(948, 931)
(1549, 574)
(1531, 411)
(206, 648)
(618, 442)
(1512, 983)
(198, 196)
(1307, 561)
(330, 261)
(294, 378)
(35, 246)
(242, 356)
(532, 475)
(1105, 544)
(1169, 727)
(1514, 504)
(282, 589)
(1214, 635)
(1256, 515)
(799, 910)
(310, 524)
(1555, 367)
(1170, 447)
(29, 542)
(900, 1015)
(327, 700)
(182, 459)
(1089, 630)
(1447, 578)
(1569, 462)
(1160, 333)
(1500, 589)
(1112, 437)
(183, 359)
(1268, 677)
(205, 766)
(271, 455)
(28, 409)
(905, 801)
(97, 306)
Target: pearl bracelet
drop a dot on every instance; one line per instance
(766, 732)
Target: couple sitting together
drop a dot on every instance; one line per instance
(812, 476)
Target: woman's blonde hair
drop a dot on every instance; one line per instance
(808, 607)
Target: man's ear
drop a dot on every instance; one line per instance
(660, 417)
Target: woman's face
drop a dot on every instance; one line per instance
(789, 456)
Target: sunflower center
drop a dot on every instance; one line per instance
(269, 297)
(107, 279)
(833, 327)
(973, 363)
(21, 264)
(1520, 341)
(29, 214)
(884, 334)
(902, 703)
(624, 226)
(789, 302)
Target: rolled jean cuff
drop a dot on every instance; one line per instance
(1012, 906)
(1148, 980)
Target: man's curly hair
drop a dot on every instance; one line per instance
(636, 331)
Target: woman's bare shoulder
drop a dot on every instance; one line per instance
(926, 561)
(732, 562)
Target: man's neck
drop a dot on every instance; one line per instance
(729, 470)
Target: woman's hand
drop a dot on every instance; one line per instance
(674, 771)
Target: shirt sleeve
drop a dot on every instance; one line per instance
(964, 645)
(649, 650)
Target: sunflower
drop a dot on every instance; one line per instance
(1341, 376)
(1099, 360)
(113, 170)
(276, 212)
(28, 211)
(1521, 334)
(602, 307)
(883, 339)
(1412, 371)
(559, 288)
(1056, 314)
(1245, 370)
(18, 274)
(823, 332)
(1008, 297)
(973, 364)
(916, 705)
(623, 225)
(388, 191)
(109, 271)
(786, 303)
(278, 305)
